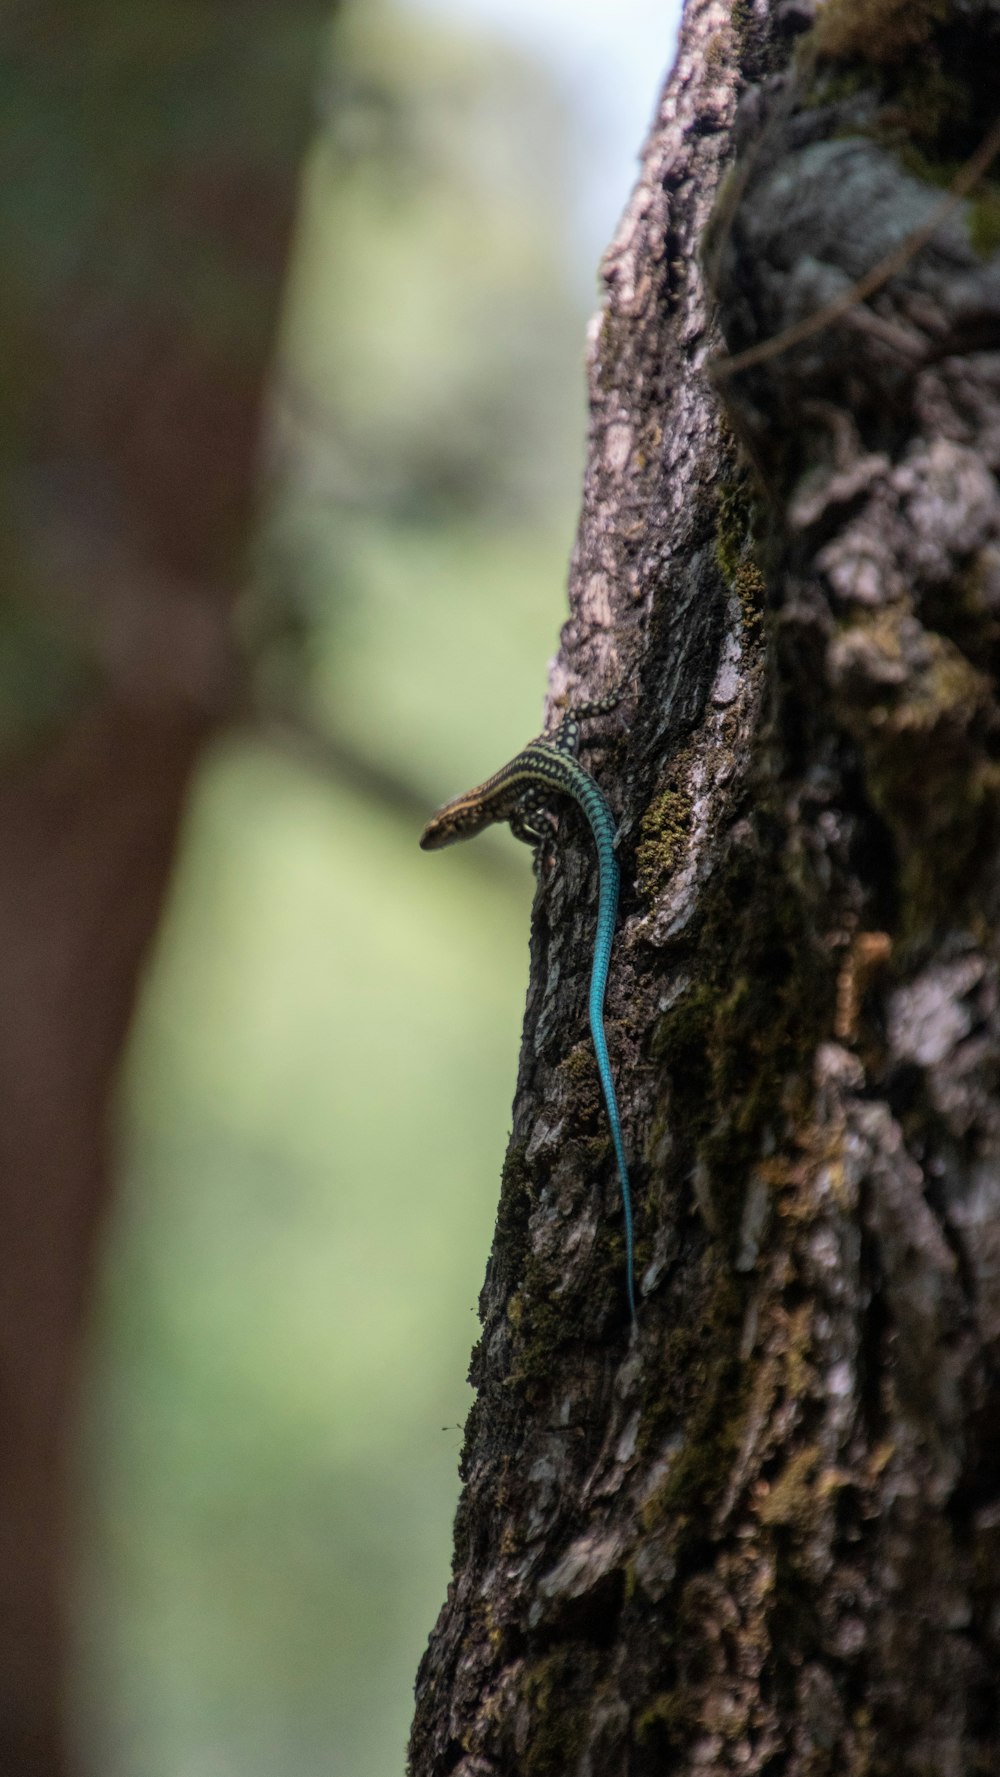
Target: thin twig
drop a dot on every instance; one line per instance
(874, 279)
(337, 758)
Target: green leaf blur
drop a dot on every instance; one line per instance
(318, 1097)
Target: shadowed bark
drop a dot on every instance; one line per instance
(149, 181)
(764, 1535)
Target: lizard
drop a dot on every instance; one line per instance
(517, 794)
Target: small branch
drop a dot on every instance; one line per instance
(336, 757)
(873, 280)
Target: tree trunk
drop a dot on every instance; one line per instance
(148, 192)
(765, 1534)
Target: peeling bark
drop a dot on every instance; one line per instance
(764, 1536)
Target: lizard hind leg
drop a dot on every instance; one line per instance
(598, 706)
(567, 736)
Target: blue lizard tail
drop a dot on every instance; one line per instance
(602, 825)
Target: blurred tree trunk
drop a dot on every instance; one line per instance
(765, 1536)
(148, 189)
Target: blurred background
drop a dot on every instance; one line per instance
(317, 1096)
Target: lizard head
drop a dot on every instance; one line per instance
(461, 819)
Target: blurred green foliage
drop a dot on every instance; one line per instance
(315, 1112)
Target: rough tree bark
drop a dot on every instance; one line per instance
(149, 182)
(765, 1536)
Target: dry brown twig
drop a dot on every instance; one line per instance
(722, 368)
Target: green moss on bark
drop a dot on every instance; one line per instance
(879, 31)
(663, 833)
(557, 1692)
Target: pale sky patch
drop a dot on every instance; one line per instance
(609, 59)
